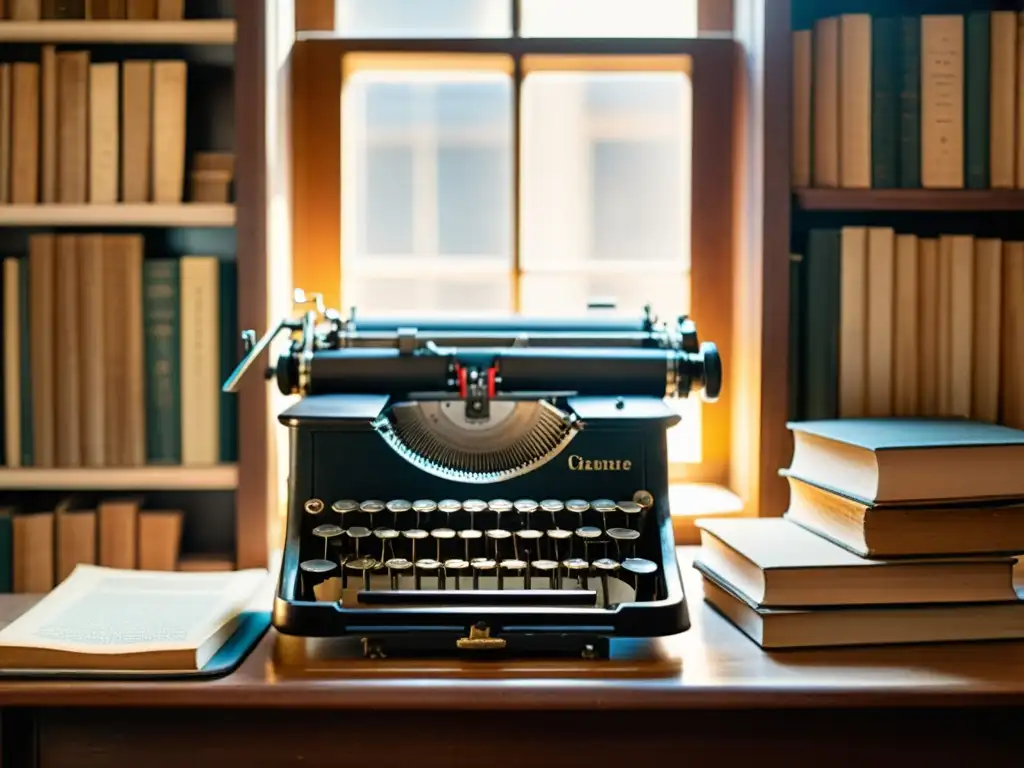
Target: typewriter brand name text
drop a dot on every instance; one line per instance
(579, 464)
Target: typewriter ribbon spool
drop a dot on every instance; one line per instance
(409, 426)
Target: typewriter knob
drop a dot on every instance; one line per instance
(712, 371)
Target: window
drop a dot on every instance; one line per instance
(491, 161)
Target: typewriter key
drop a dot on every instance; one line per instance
(372, 507)
(603, 507)
(497, 535)
(414, 535)
(468, 535)
(620, 535)
(557, 535)
(578, 566)
(358, 533)
(442, 534)
(448, 506)
(644, 499)
(604, 566)
(549, 567)
(510, 566)
(499, 505)
(479, 566)
(425, 565)
(578, 506)
(364, 564)
(457, 567)
(345, 506)
(395, 567)
(474, 505)
(328, 531)
(631, 510)
(639, 566)
(318, 566)
(385, 535)
(313, 506)
(589, 534)
(525, 506)
(397, 507)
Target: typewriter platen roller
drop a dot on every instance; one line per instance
(481, 486)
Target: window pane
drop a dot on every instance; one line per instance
(569, 293)
(427, 295)
(609, 18)
(427, 166)
(424, 18)
(606, 168)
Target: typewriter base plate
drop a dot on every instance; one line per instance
(320, 658)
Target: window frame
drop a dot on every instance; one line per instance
(317, 76)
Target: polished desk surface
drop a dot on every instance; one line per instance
(715, 667)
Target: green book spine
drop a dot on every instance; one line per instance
(230, 355)
(27, 443)
(6, 552)
(797, 323)
(821, 339)
(910, 104)
(977, 53)
(161, 292)
(885, 106)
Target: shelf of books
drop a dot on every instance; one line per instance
(119, 290)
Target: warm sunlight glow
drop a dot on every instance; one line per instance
(423, 18)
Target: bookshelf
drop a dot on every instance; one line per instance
(223, 515)
(192, 32)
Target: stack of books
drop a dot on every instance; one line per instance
(898, 531)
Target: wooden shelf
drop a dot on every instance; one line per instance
(978, 200)
(197, 32)
(119, 215)
(216, 478)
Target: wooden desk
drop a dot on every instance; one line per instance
(947, 705)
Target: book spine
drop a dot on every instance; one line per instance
(28, 450)
(163, 361)
(976, 99)
(885, 111)
(229, 357)
(6, 554)
(910, 103)
(822, 335)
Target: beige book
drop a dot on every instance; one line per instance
(803, 82)
(115, 278)
(137, 130)
(1012, 380)
(130, 251)
(880, 323)
(118, 525)
(141, 10)
(73, 130)
(159, 540)
(50, 124)
(25, 133)
(76, 540)
(170, 10)
(855, 101)
(170, 82)
(942, 102)
(1003, 100)
(928, 327)
(32, 553)
(961, 338)
(944, 344)
(826, 103)
(988, 278)
(42, 267)
(853, 303)
(92, 337)
(12, 361)
(67, 355)
(906, 317)
(107, 618)
(104, 133)
(5, 133)
(200, 356)
(777, 563)
(25, 10)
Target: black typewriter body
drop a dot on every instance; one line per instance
(480, 502)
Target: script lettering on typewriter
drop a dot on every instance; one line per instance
(463, 487)
(579, 464)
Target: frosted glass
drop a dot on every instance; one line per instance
(423, 18)
(609, 18)
(428, 294)
(606, 169)
(427, 167)
(567, 293)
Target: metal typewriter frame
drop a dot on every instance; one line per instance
(520, 629)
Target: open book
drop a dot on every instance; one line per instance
(111, 619)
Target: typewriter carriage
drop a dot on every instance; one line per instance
(460, 410)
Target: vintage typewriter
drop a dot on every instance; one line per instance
(482, 485)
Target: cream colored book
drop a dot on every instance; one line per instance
(200, 361)
(928, 327)
(12, 360)
(906, 315)
(942, 102)
(855, 101)
(1003, 102)
(826, 103)
(880, 326)
(105, 618)
(961, 324)
(104, 132)
(988, 286)
(170, 82)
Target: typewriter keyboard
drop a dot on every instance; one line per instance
(458, 547)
